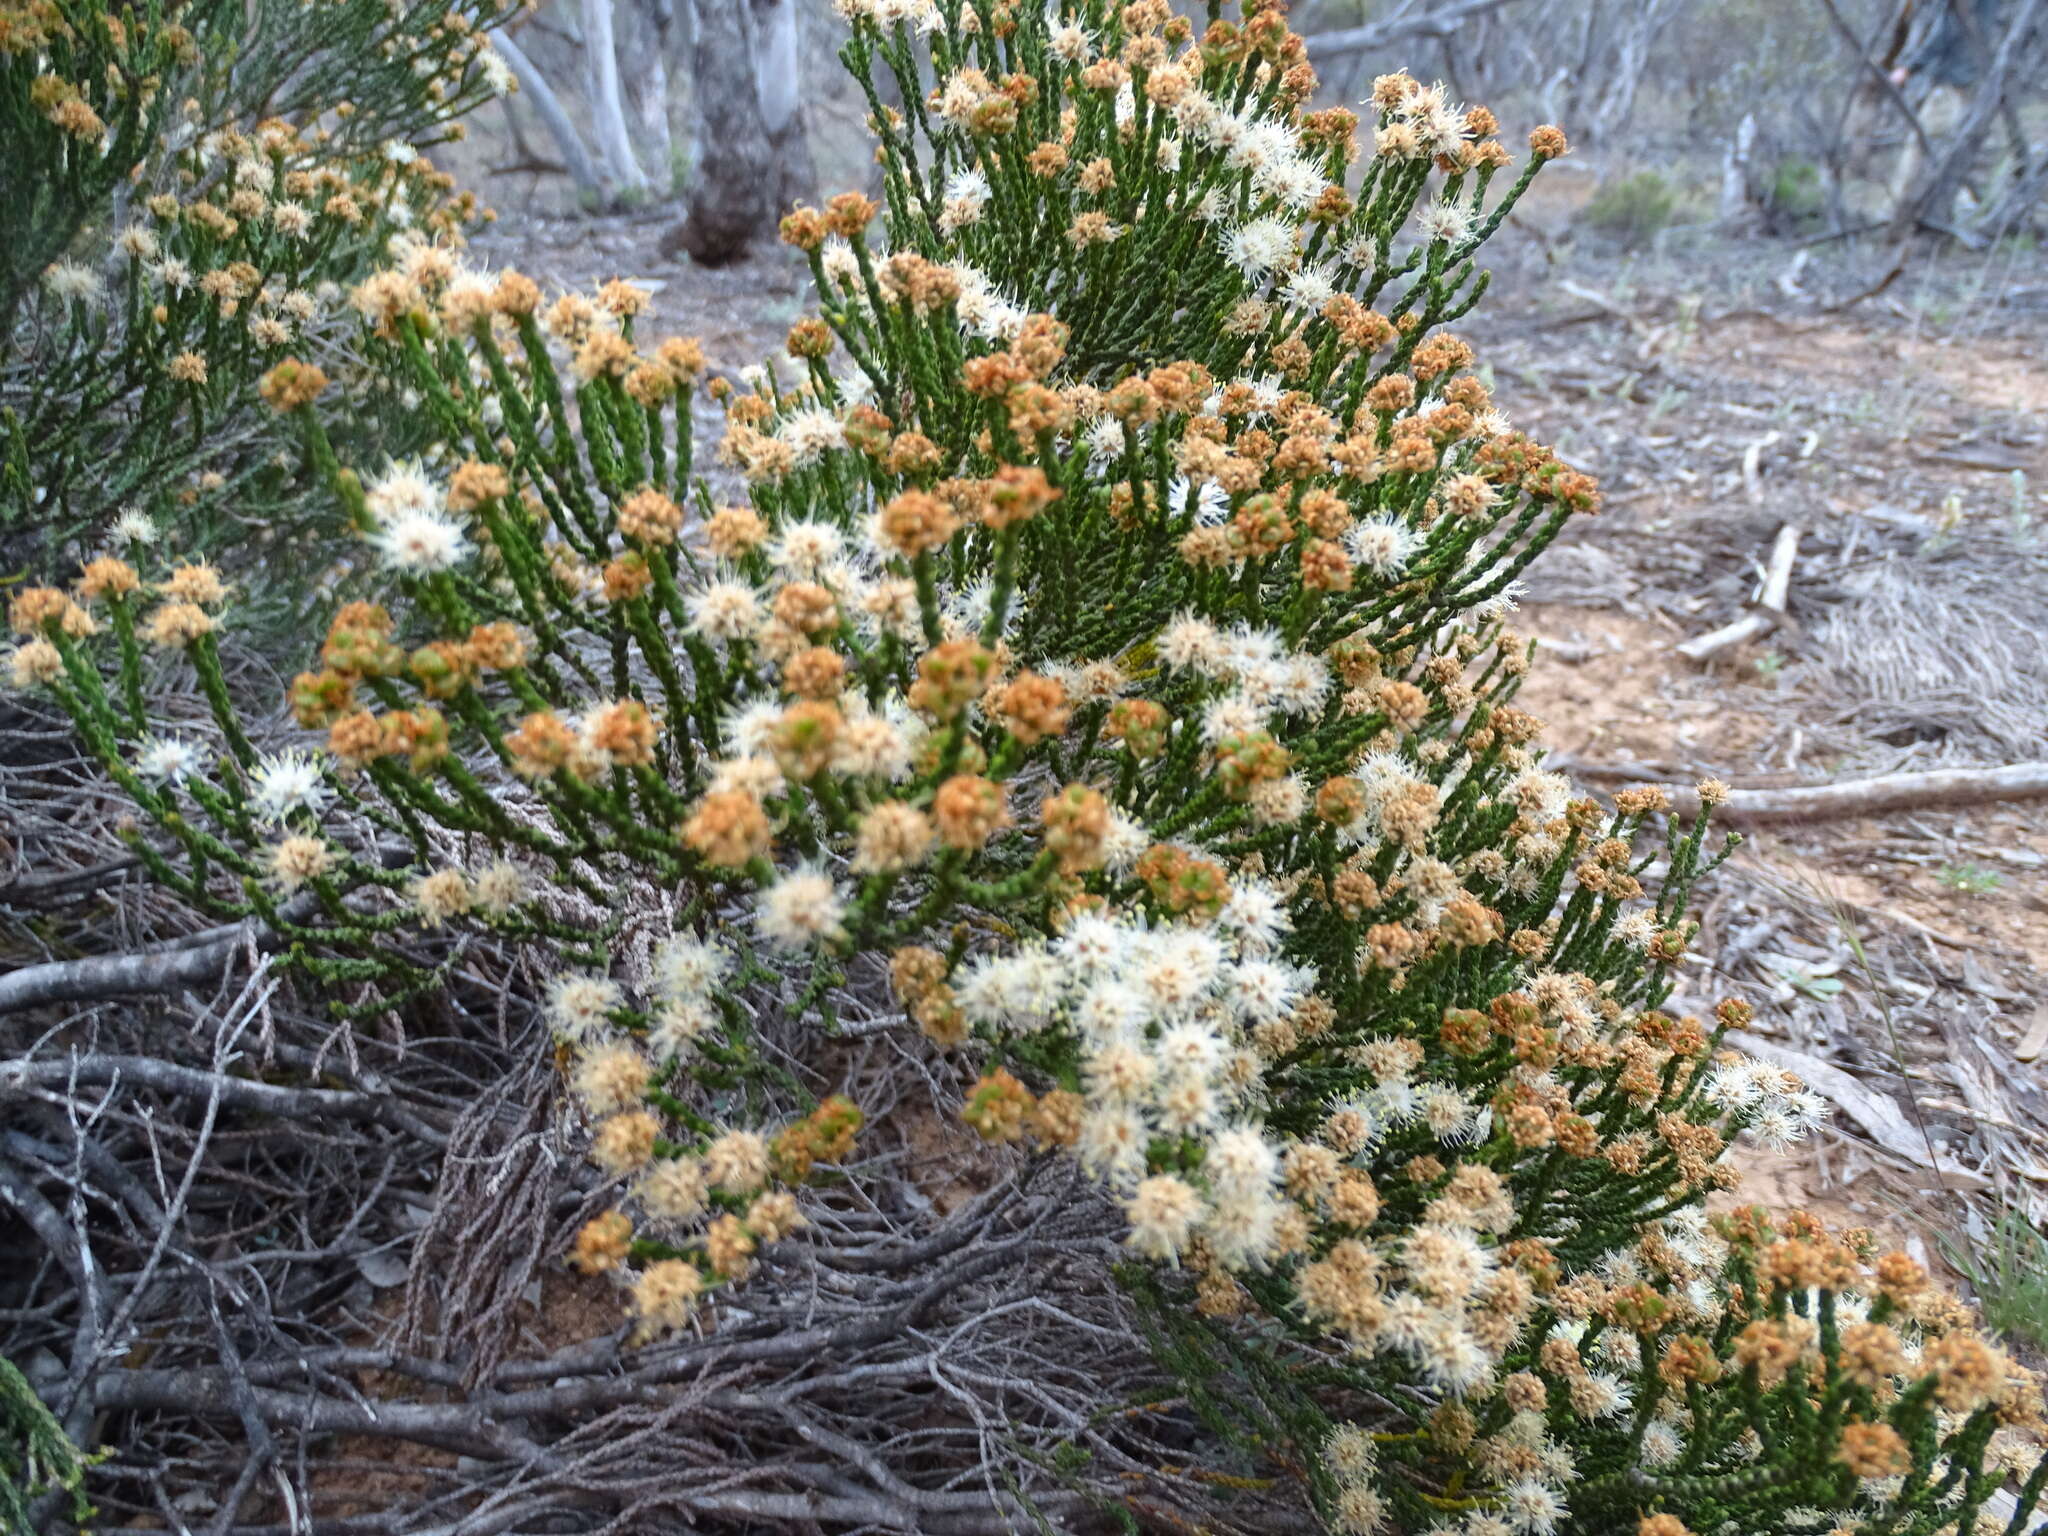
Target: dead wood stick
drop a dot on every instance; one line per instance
(1770, 608)
(187, 962)
(1595, 297)
(1441, 22)
(96, 978)
(1753, 466)
(63, 1074)
(1941, 789)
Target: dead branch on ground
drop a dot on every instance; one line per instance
(1770, 609)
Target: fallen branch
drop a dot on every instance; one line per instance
(71, 885)
(1596, 298)
(297, 1104)
(2036, 1039)
(1770, 609)
(1753, 476)
(1440, 22)
(201, 958)
(187, 962)
(1942, 789)
(1891, 275)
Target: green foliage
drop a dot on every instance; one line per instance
(187, 193)
(1114, 647)
(1633, 210)
(36, 1457)
(2008, 1270)
(1796, 193)
(1970, 879)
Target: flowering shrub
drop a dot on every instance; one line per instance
(1113, 644)
(186, 200)
(36, 1459)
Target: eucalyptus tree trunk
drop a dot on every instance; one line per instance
(535, 88)
(607, 99)
(753, 157)
(1977, 60)
(649, 30)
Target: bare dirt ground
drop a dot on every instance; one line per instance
(1722, 395)
(1722, 390)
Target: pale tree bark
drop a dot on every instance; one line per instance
(778, 81)
(1738, 167)
(753, 154)
(649, 27)
(1629, 56)
(1931, 201)
(1438, 22)
(533, 85)
(1607, 51)
(607, 100)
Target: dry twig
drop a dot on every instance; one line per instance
(1770, 609)
(1941, 789)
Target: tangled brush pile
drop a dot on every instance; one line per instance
(1114, 641)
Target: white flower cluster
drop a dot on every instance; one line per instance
(497, 72)
(1265, 676)
(870, 743)
(1774, 1106)
(922, 15)
(1424, 123)
(1163, 1014)
(981, 309)
(1383, 545)
(1279, 170)
(686, 972)
(730, 609)
(1352, 1458)
(285, 783)
(810, 433)
(1395, 1098)
(967, 193)
(1263, 246)
(1263, 147)
(415, 534)
(167, 760)
(280, 785)
(801, 909)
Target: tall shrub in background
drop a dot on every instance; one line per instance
(1111, 649)
(189, 191)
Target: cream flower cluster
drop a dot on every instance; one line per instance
(1772, 1105)
(414, 532)
(981, 309)
(1164, 1016)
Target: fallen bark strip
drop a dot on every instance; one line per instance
(1770, 609)
(1878, 1113)
(1941, 789)
(71, 885)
